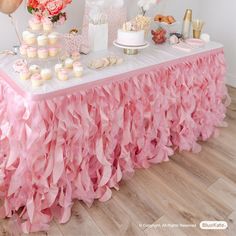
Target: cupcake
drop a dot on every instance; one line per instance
(36, 80)
(42, 40)
(19, 65)
(78, 69)
(62, 74)
(53, 38)
(23, 50)
(30, 38)
(69, 63)
(53, 51)
(47, 25)
(25, 74)
(34, 69)
(25, 34)
(58, 67)
(43, 53)
(31, 52)
(75, 56)
(46, 74)
(35, 24)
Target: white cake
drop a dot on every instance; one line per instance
(130, 38)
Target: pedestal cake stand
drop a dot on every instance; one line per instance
(131, 50)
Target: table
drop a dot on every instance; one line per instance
(78, 139)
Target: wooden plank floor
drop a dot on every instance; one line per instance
(188, 189)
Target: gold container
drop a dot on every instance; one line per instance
(130, 51)
(197, 28)
(197, 34)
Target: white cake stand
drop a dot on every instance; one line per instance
(131, 50)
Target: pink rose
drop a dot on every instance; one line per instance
(54, 7)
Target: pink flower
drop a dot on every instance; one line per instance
(54, 7)
(33, 3)
(43, 2)
(47, 8)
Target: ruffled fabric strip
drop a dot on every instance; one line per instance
(81, 145)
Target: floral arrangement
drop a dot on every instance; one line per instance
(51, 9)
(138, 23)
(145, 5)
(141, 21)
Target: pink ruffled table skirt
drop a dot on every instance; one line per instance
(80, 145)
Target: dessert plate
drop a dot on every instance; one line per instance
(195, 42)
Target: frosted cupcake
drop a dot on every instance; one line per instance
(46, 74)
(78, 69)
(53, 38)
(31, 52)
(69, 63)
(35, 24)
(25, 74)
(53, 51)
(23, 50)
(62, 75)
(25, 34)
(58, 67)
(30, 38)
(43, 53)
(36, 80)
(19, 65)
(42, 40)
(47, 25)
(75, 56)
(34, 69)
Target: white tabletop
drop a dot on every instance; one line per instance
(153, 55)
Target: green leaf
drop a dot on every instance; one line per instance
(30, 10)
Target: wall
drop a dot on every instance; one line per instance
(221, 25)
(172, 7)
